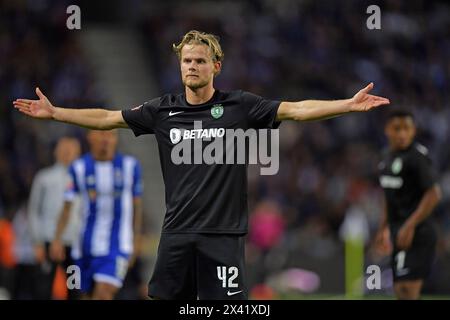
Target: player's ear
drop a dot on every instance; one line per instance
(217, 68)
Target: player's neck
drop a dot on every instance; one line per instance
(199, 95)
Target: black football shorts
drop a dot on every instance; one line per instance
(199, 266)
(416, 262)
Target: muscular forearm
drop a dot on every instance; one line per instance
(99, 119)
(309, 110)
(429, 201)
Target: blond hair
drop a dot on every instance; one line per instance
(198, 37)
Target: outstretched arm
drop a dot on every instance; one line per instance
(309, 110)
(99, 119)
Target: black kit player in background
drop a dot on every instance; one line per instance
(411, 194)
(201, 250)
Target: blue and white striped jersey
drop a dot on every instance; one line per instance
(107, 189)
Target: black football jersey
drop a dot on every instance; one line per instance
(405, 176)
(202, 197)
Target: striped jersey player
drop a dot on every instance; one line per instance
(110, 188)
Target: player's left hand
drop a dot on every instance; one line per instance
(405, 236)
(363, 101)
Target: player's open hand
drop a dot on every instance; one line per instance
(41, 108)
(405, 236)
(363, 101)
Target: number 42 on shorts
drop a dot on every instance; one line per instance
(228, 275)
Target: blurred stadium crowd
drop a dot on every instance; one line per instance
(285, 49)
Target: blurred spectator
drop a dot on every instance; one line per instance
(266, 226)
(45, 206)
(26, 280)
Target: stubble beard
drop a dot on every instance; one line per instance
(194, 85)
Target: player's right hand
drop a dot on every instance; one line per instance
(57, 252)
(41, 108)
